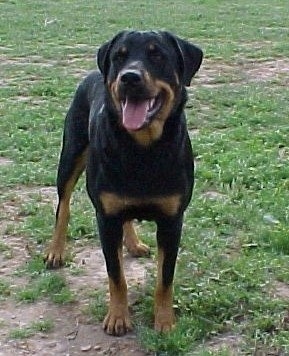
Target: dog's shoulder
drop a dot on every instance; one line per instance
(92, 85)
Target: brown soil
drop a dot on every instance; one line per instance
(5, 161)
(229, 342)
(73, 333)
(215, 73)
(280, 290)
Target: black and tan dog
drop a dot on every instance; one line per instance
(126, 126)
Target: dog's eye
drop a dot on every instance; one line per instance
(119, 56)
(155, 54)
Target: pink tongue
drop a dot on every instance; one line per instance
(134, 114)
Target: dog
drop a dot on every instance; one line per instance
(126, 127)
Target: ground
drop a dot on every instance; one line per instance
(74, 332)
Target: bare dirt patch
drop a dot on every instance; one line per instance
(214, 195)
(5, 161)
(76, 64)
(231, 343)
(280, 290)
(73, 331)
(216, 73)
(268, 70)
(228, 342)
(24, 61)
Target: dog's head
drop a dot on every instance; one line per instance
(145, 73)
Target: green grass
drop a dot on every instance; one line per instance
(43, 284)
(4, 289)
(97, 307)
(43, 326)
(235, 241)
(5, 251)
(52, 286)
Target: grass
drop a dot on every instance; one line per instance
(4, 289)
(235, 242)
(97, 306)
(43, 326)
(44, 284)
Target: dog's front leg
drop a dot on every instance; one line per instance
(168, 238)
(117, 321)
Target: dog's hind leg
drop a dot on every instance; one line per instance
(131, 241)
(55, 254)
(71, 165)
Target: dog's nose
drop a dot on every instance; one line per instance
(131, 77)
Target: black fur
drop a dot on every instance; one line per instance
(116, 162)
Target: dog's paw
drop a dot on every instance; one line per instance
(117, 322)
(54, 259)
(164, 319)
(131, 241)
(139, 250)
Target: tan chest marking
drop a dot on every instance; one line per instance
(113, 203)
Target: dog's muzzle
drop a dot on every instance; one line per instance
(138, 103)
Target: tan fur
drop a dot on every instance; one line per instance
(113, 203)
(117, 321)
(55, 253)
(131, 241)
(163, 303)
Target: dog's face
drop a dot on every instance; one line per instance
(145, 73)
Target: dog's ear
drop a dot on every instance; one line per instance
(104, 52)
(190, 57)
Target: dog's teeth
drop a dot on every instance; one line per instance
(151, 103)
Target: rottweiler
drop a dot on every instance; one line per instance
(127, 128)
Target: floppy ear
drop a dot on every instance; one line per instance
(103, 54)
(189, 55)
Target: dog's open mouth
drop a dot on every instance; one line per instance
(138, 113)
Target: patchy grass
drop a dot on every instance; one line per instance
(44, 284)
(43, 326)
(235, 243)
(97, 307)
(4, 289)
